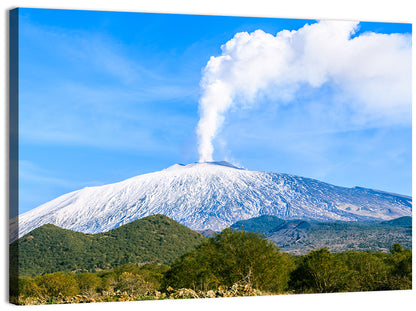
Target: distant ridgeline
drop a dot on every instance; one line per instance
(153, 239)
(300, 236)
(159, 239)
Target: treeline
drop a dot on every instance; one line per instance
(240, 257)
(232, 263)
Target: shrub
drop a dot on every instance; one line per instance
(88, 283)
(133, 284)
(56, 284)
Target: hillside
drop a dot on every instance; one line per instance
(154, 238)
(211, 195)
(300, 236)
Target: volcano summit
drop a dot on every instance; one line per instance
(211, 195)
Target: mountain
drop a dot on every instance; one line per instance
(299, 236)
(207, 233)
(50, 249)
(211, 195)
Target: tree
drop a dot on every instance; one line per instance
(401, 268)
(320, 272)
(228, 258)
(369, 270)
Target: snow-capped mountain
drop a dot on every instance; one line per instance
(211, 195)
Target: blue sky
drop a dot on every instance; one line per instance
(104, 96)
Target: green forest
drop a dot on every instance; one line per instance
(49, 249)
(231, 263)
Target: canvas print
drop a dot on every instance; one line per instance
(168, 156)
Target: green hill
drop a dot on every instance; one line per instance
(262, 224)
(401, 222)
(48, 249)
(300, 236)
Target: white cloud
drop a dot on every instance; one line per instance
(369, 74)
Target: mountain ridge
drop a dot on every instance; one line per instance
(210, 195)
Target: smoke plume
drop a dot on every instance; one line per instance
(372, 70)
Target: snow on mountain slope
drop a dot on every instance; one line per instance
(211, 195)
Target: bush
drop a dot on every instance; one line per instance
(56, 284)
(89, 283)
(29, 288)
(133, 284)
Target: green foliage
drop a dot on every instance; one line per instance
(89, 283)
(369, 270)
(323, 272)
(56, 284)
(50, 249)
(400, 262)
(125, 263)
(29, 287)
(251, 264)
(129, 282)
(320, 272)
(228, 258)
